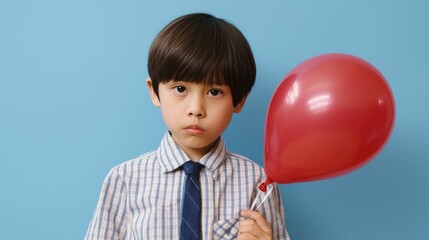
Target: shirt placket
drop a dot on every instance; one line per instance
(207, 195)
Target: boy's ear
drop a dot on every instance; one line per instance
(153, 96)
(240, 105)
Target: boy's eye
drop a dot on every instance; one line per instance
(180, 89)
(214, 92)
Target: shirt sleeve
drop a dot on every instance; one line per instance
(109, 220)
(273, 211)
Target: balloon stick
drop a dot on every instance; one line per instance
(262, 195)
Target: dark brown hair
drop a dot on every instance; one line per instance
(201, 48)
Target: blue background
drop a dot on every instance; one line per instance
(73, 103)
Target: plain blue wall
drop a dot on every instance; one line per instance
(73, 104)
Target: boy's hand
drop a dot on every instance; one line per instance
(254, 227)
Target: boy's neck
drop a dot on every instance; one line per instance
(196, 154)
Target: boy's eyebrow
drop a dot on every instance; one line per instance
(219, 85)
(172, 82)
(177, 81)
(189, 82)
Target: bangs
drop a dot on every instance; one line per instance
(198, 67)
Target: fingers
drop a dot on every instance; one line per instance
(246, 236)
(249, 229)
(258, 218)
(254, 227)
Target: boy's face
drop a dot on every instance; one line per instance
(195, 114)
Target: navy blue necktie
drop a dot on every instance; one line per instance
(191, 212)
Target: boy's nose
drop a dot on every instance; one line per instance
(196, 108)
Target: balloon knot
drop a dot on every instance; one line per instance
(263, 186)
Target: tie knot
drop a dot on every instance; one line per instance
(192, 168)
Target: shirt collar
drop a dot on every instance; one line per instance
(171, 156)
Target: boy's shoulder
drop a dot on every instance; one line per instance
(127, 167)
(242, 160)
(241, 167)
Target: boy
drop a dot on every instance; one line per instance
(201, 70)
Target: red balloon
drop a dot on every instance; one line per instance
(329, 116)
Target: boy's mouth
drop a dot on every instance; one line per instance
(194, 129)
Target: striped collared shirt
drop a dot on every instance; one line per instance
(142, 198)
